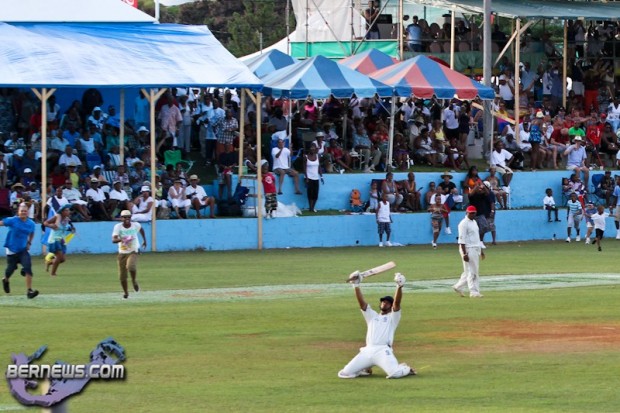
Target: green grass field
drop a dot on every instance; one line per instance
(250, 331)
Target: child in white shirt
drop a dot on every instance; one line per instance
(549, 205)
(599, 224)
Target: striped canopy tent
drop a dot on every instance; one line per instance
(368, 61)
(424, 78)
(321, 77)
(268, 62)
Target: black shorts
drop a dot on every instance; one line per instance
(599, 233)
(22, 258)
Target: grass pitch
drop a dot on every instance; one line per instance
(203, 337)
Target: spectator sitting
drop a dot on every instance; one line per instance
(69, 157)
(501, 159)
(141, 211)
(338, 156)
(390, 188)
(75, 198)
(500, 193)
(282, 166)
(97, 201)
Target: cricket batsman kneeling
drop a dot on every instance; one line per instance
(380, 336)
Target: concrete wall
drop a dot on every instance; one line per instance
(338, 230)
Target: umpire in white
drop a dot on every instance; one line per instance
(471, 251)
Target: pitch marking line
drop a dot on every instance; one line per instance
(272, 292)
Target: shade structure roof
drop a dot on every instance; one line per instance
(368, 61)
(548, 9)
(321, 77)
(268, 62)
(113, 55)
(425, 78)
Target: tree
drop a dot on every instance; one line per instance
(258, 17)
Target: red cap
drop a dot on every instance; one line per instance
(603, 115)
(471, 208)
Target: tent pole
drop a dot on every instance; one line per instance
(152, 96)
(287, 10)
(452, 37)
(290, 124)
(121, 145)
(43, 97)
(517, 74)
(564, 63)
(157, 10)
(388, 167)
(352, 28)
(259, 197)
(241, 134)
(306, 37)
(487, 73)
(400, 31)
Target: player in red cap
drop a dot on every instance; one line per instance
(471, 251)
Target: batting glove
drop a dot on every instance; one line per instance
(357, 280)
(399, 279)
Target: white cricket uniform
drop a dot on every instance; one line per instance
(378, 350)
(470, 237)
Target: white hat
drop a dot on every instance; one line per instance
(263, 162)
(577, 139)
(320, 134)
(145, 189)
(96, 167)
(96, 108)
(540, 115)
(27, 170)
(37, 155)
(487, 184)
(126, 213)
(94, 181)
(143, 129)
(502, 77)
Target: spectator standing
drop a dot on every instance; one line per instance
(269, 189)
(384, 220)
(549, 205)
(574, 216)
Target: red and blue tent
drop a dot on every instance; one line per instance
(424, 78)
(268, 62)
(368, 61)
(321, 77)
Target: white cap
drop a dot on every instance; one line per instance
(27, 170)
(145, 189)
(143, 129)
(502, 77)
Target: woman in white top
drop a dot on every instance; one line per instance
(313, 175)
(176, 196)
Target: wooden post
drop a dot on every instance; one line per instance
(564, 63)
(259, 197)
(391, 136)
(452, 37)
(517, 58)
(43, 96)
(121, 144)
(153, 95)
(241, 133)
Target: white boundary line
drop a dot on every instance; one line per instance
(274, 292)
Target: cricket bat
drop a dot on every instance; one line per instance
(373, 271)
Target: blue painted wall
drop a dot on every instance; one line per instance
(339, 230)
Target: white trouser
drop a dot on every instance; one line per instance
(381, 356)
(470, 271)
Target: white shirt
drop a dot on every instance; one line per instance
(72, 194)
(381, 328)
(449, 116)
(599, 220)
(468, 233)
(96, 195)
(129, 237)
(383, 212)
(119, 195)
(198, 192)
(283, 161)
(500, 158)
(548, 201)
(66, 160)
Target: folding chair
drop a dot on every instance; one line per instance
(172, 157)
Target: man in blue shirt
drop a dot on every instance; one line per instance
(17, 244)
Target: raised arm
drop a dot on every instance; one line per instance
(400, 280)
(360, 298)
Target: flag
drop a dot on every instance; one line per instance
(133, 3)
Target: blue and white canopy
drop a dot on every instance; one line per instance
(268, 62)
(320, 77)
(117, 55)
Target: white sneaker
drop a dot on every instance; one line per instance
(618, 234)
(267, 216)
(448, 231)
(578, 238)
(380, 244)
(475, 295)
(567, 239)
(458, 291)
(587, 240)
(388, 244)
(434, 244)
(482, 245)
